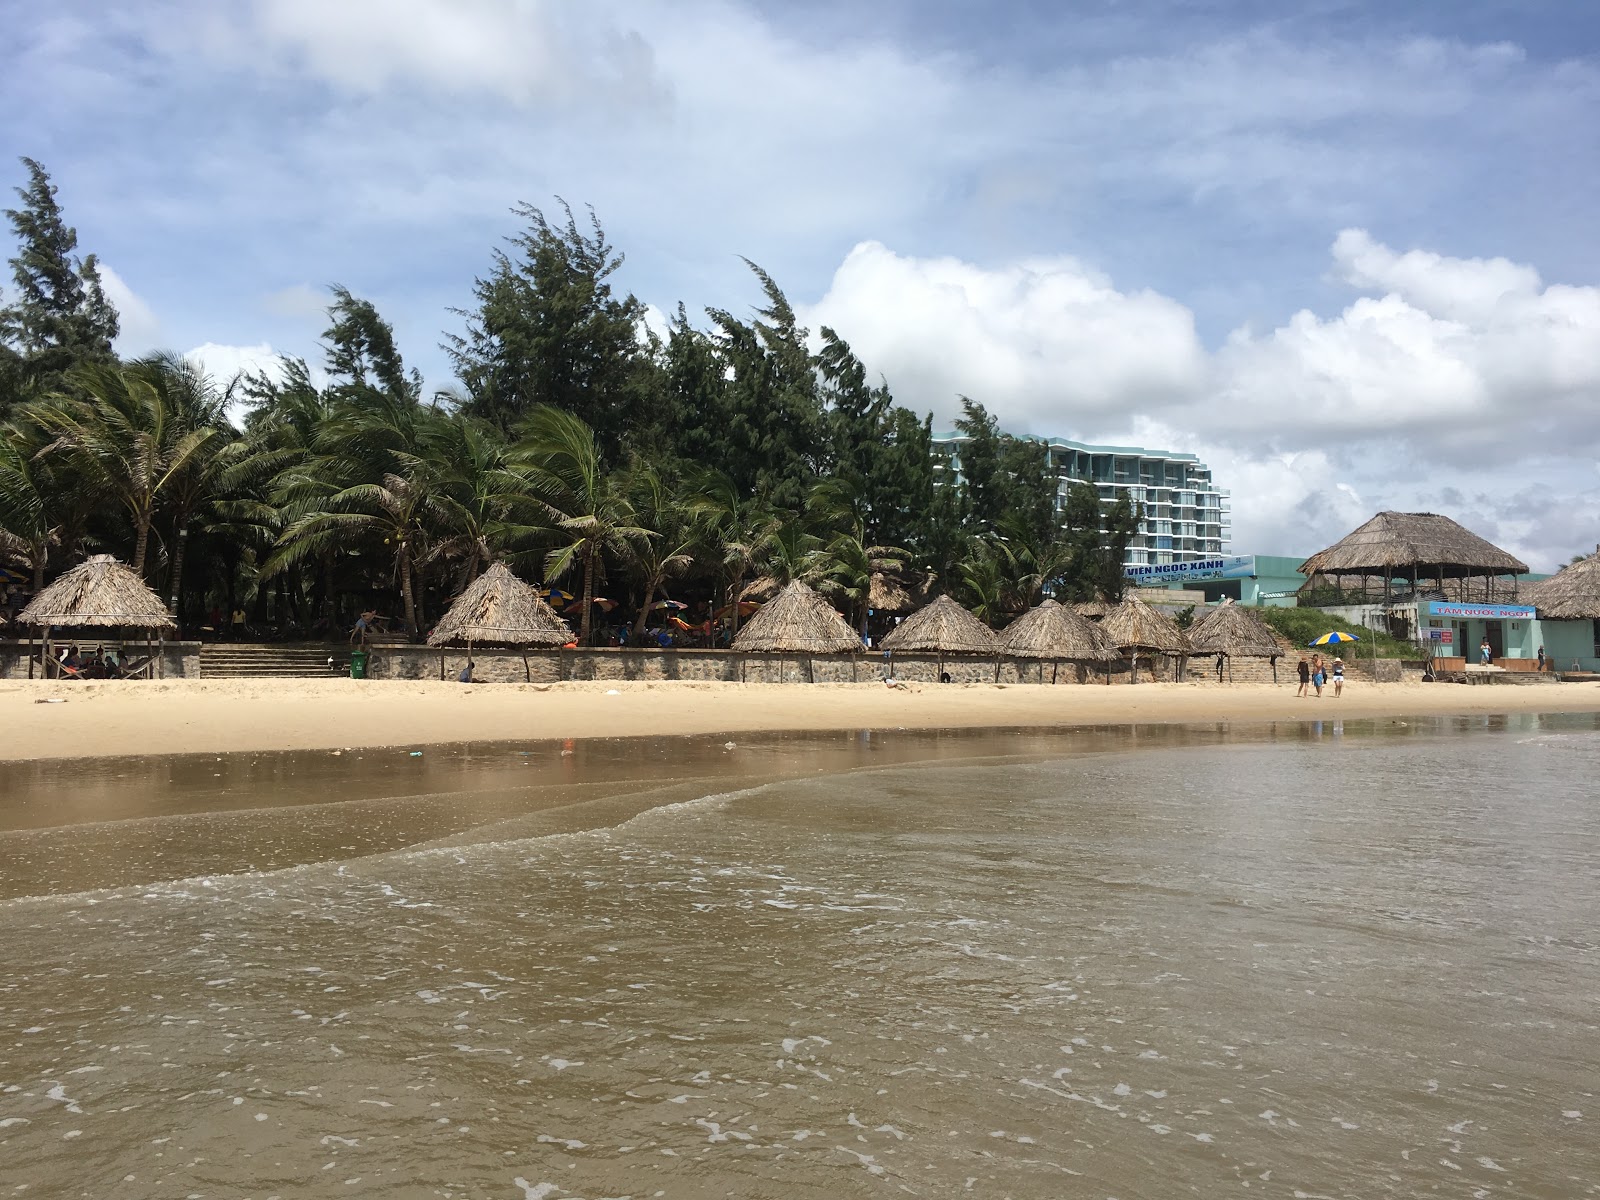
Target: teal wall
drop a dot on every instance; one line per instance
(1567, 642)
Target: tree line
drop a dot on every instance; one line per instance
(575, 444)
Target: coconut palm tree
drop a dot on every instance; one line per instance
(587, 507)
(669, 550)
(852, 566)
(29, 527)
(136, 434)
(734, 529)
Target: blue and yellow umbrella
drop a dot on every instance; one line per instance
(1333, 639)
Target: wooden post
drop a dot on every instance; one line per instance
(527, 671)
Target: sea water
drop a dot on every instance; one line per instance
(1301, 960)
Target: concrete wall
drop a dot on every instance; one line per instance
(179, 660)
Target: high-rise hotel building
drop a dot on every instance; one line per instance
(1185, 515)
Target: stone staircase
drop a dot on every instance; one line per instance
(282, 660)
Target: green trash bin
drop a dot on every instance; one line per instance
(358, 664)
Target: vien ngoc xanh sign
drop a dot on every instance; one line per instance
(1236, 566)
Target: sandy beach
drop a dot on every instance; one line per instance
(198, 716)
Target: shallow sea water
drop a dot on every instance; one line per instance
(1324, 960)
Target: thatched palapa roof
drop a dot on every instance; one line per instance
(1235, 632)
(1134, 625)
(499, 609)
(1412, 546)
(99, 592)
(797, 620)
(1051, 631)
(1571, 594)
(887, 594)
(1094, 610)
(945, 627)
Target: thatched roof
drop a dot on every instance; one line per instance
(1233, 631)
(1051, 631)
(1093, 609)
(798, 620)
(499, 609)
(760, 589)
(1412, 545)
(942, 626)
(100, 592)
(1571, 594)
(887, 594)
(1134, 625)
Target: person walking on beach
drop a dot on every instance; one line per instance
(1338, 677)
(1305, 677)
(1318, 674)
(1541, 660)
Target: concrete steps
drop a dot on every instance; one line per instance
(298, 660)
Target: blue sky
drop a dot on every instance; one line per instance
(1345, 254)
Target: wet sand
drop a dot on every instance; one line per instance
(220, 716)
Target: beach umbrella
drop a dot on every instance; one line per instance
(674, 605)
(603, 603)
(497, 608)
(798, 621)
(555, 596)
(98, 593)
(1336, 638)
(746, 608)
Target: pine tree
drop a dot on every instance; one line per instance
(548, 330)
(59, 317)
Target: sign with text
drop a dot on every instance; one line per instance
(1481, 612)
(1444, 636)
(1236, 566)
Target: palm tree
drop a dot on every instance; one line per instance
(734, 530)
(588, 507)
(485, 508)
(29, 496)
(669, 550)
(852, 567)
(984, 580)
(134, 436)
(395, 510)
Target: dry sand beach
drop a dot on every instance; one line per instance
(180, 716)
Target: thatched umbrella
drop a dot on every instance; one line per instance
(1134, 626)
(498, 609)
(98, 593)
(947, 628)
(1571, 594)
(797, 621)
(1094, 610)
(1230, 631)
(1413, 546)
(1053, 632)
(887, 594)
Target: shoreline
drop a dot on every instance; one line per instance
(138, 719)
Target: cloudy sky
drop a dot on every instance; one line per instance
(1347, 256)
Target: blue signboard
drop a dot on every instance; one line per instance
(1236, 566)
(1480, 612)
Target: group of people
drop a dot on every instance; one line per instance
(1318, 674)
(100, 664)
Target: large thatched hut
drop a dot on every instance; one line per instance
(1415, 547)
(797, 621)
(100, 593)
(498, 609)
(1230, 631)
(1051, 631)
(1134, 627)
(943, 628)
(1571, 594)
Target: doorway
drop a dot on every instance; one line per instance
(1495, 632)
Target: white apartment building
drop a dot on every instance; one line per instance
(1185, 515)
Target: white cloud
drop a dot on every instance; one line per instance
(140, 328)
(299, 300)
(1049, 341)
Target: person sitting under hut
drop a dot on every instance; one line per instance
(466, 673)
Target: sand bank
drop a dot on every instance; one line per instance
(181, 716)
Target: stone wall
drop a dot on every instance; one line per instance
(179, 660)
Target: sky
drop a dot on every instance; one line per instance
(1341, 249)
